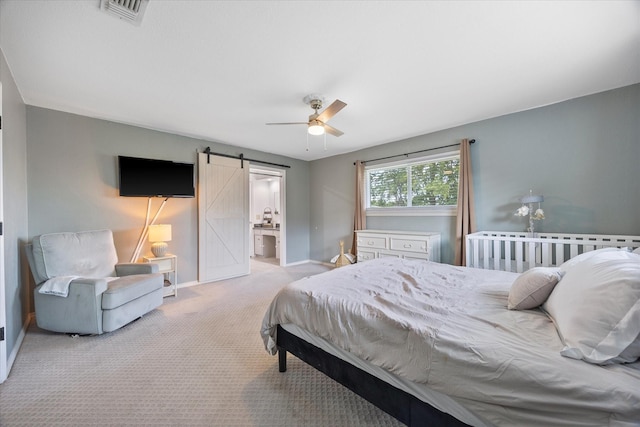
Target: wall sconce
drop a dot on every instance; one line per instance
(158, 235)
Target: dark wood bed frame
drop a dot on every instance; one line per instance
(401, 405)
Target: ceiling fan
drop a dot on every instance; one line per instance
(317, 124)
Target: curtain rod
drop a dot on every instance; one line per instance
(242, 158)
(471, 141)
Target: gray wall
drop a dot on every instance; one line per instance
(582, 154)
(72, 172)
(14, 193)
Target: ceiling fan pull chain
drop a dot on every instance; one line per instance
(325, 141)
(307, 140)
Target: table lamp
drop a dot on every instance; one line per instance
(158, 235)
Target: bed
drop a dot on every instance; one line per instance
(434, 344)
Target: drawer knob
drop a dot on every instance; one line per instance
(370, 243)
(408, 245)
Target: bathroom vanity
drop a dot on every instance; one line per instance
(266, 242)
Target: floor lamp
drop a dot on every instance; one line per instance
(145, 230)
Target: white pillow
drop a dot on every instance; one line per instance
(630, 354)
(596, 308)
(585, 256)
(533, 287)
(636, 251)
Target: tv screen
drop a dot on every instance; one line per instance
(155, 178)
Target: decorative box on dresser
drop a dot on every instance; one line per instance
(402, 244)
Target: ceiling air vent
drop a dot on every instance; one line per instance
(127, 10)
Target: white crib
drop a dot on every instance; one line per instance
(513, 251)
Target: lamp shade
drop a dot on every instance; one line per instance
(160, 233)
(315, 127)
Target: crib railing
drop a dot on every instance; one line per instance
(519, 251)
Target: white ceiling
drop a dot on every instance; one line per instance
(220, 70)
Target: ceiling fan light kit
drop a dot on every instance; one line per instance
(317, 123)
(315, 127)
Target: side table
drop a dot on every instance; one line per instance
(169, 267)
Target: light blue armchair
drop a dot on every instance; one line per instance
(101, 295)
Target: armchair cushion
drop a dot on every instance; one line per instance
(128, 288)
(85, 254)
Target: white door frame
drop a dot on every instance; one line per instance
(283, 208)
(3, 300)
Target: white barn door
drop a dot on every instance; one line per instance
(223, 218)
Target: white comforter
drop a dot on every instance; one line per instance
(448, 327)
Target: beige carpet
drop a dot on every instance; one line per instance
(196, 361)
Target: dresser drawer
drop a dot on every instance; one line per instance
(372, 242)
(409, 245)
(424, 257)
(389, 255)
(365, 255)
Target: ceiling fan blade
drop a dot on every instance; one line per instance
(290, 123)
(333, 131)
(331, 110)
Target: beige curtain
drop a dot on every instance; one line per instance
(466, 217)
(360, 217)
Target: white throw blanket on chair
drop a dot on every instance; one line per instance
(58, 286)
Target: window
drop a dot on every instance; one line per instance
(424, 186)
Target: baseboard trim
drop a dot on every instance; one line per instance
(310, 261)
(16, 348)
(326, 264)
(189, 284)
(291, 264)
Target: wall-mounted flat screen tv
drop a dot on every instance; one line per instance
(155, 178)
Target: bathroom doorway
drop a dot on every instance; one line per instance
(267, 215)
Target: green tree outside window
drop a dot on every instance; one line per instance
(429, 183)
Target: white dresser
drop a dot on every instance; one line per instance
(402, 244)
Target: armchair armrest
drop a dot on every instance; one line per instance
(80, 312)
(81, 285)
(98, 285)
(130, 268)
